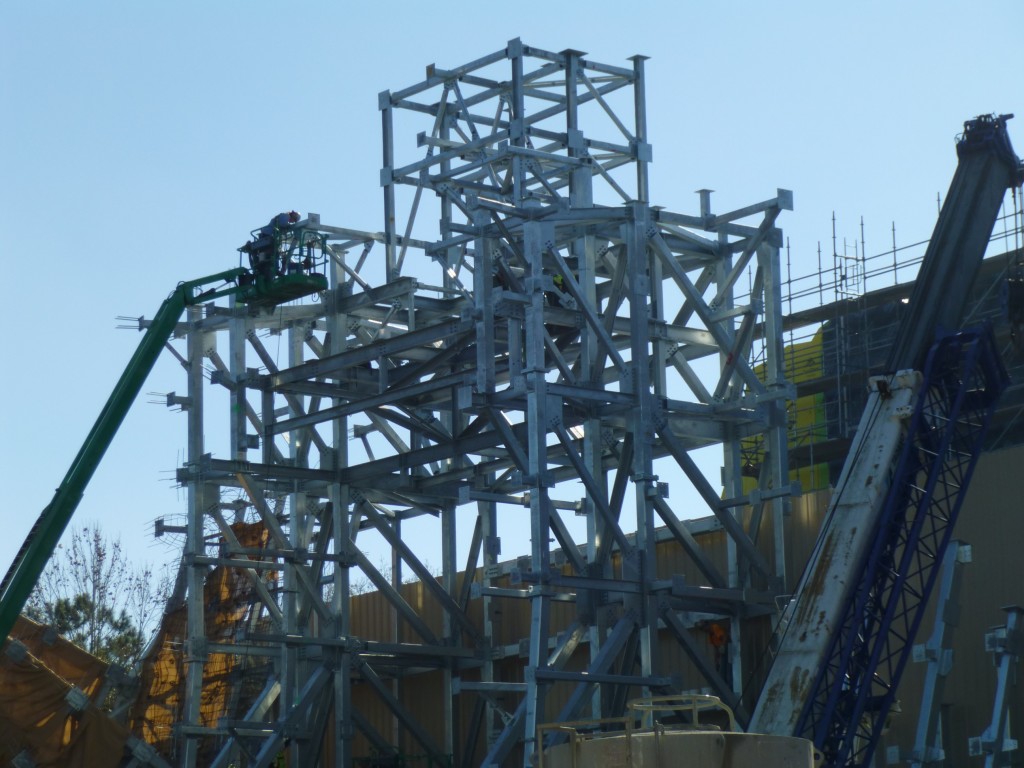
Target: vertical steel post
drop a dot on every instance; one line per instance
(195, 644)
(292, 677)
(640, 564)
(340, 501)
(535, 239)
(488, 512)
(732, 459)
(516, 122)
(641, 149)
(387, 168)
(237, 372)
(775, 379)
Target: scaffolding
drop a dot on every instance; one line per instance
(836, 335)
(574, 349)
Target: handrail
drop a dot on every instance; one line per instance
(638, 710)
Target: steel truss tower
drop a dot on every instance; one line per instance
(574, 347)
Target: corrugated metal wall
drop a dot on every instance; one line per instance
(421, 691)
(992, 521)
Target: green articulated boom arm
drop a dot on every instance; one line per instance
(42, 540)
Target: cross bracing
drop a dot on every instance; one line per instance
(544, 363)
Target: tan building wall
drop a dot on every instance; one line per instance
(992, 521)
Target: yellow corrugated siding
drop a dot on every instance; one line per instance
(992, 520)
(422, 693)
(803, 362)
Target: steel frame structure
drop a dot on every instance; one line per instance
(1005, 644)
(578, 345)
(937, 653)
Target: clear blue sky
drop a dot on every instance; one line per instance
(140, 142)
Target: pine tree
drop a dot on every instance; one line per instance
(95, 597)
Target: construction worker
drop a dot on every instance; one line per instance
(263, 250)
(718, 638)
(553, 298)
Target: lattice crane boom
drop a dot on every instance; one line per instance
(860, 600)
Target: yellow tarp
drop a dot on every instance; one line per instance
(35, 716)
(228, 598)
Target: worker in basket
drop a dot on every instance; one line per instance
(264, 249)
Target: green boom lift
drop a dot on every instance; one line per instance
(294, 268)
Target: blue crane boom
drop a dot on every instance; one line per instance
(862, 595)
